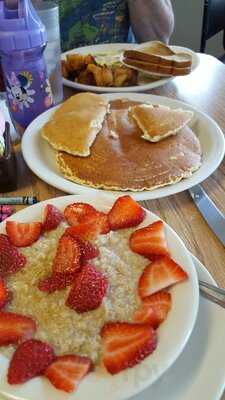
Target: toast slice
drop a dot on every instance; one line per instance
(158, 58)
(157, 68)
(179, 60)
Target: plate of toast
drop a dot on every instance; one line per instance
(144, 145)
(125, 67)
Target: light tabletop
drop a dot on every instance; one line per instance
(205, 89)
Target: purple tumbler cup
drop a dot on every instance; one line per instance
(22, 43)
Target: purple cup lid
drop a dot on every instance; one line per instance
(20, 27)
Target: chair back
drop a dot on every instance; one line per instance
(213, 20)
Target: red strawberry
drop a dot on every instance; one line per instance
(82, 213)
(125, 213)
(5, 295)
(30, 359)
(150, 241)
(15, 328)
(125, 345)
(154, 309)
(52, 218)
(89, 230)
(159, 275)
(66, 372)
(11, 260)
(88, 251)
(23, 234)
(77, 213)
(88, 290)
(55, 282)
(67, 259)
(103, 220)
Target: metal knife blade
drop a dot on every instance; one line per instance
(212, 215)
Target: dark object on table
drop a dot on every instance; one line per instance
(8, 175)
(213, 22)
(2, 86)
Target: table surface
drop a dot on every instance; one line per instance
(205, 89)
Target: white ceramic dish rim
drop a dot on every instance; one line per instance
(196, 380)
(118, 46)
(104, 203)
(57, 180)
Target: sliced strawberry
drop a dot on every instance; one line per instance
(77, 213)
(67, 258)
(103, 220)
(154, 309)
(89, 230)
(15, 328)
(125, 345)
(23, 234)
(82, 213)
(11, 260)
(5, 295)
(88, 251)
(55, 282)
(150, 241)
(89, 288)
(125, 213)
(30, 359)
(159, 275)
(66, 372)
(52, 218)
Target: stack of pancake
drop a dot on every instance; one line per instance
(122, 144)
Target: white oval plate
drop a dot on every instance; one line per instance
(118, 47)
(172, 335)
(190, 377)
(40, 156)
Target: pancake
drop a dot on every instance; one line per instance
(121, 160)
(159, 122)
(75, 125)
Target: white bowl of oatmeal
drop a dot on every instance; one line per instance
(70, 332)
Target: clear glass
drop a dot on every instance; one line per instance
(48, 11)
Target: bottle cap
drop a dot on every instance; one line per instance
(20, 27)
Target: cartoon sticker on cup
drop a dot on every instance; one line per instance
(18, 89)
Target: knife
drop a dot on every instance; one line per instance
(212, 215)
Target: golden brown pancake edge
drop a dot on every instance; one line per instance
(64, 162)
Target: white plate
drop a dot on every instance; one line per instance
(40, 156)
(199, 372)
(114, 47)
(172, 335)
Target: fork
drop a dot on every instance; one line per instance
(212, 293)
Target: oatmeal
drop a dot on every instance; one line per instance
(63, 328)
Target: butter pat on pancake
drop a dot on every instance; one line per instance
(127, 162)
(159, 122)
(74, 126)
